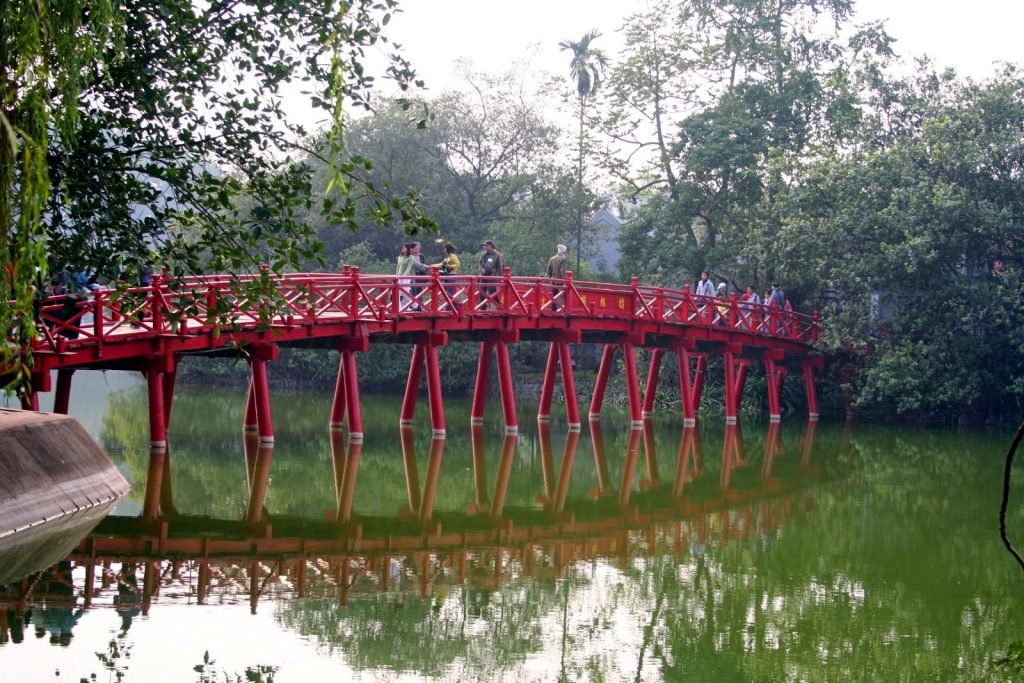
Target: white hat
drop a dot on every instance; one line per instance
(562, 248)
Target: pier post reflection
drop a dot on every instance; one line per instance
(732, 453)
(629, 466)
(346, 468)
(572, 441)
(600, 460)
(688, 465)
(254, 511)
(650, 456)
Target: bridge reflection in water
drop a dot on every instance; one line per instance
(165, 557)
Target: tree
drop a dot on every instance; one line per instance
(585, 68)
(714, 103)
(918, 228)
(178, 148)
(44, 48)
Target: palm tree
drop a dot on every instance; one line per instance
(585, 69)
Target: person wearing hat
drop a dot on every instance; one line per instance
(557, 266)
(492, 264)
(722, 308)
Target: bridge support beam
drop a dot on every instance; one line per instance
(260, 390)
(508, 397)
(601, 383)
(734, 378)
(250, 423)
(572, 410)
(157, 414)
(653, 370)
(62, 396)
(547, 390)
(434, 390)
(355, 413)
(685, 388)
(425, 354)
(340, 401)
(483, 371)
(774, 373)
(346, 389)
(632, 386)
(811, 385)
(559, 354)
(412, 386)
(690, 387)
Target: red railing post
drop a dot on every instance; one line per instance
(569, 289)
(506, 294)
(155, 300)
(97, 318)
(634, 286)
(435, 288)
(354, 292)
(471, 296)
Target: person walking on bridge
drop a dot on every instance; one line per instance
(705, 287)
(557, 267)
(492, 264)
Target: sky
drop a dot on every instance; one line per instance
(968, 36)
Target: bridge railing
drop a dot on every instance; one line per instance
(199, 305)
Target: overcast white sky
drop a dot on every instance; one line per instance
(968, 35)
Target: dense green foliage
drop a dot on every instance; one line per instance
(173, 143)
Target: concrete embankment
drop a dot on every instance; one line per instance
(51, 469)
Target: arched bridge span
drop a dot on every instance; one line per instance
(150, 329)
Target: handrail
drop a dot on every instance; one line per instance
(200, 304)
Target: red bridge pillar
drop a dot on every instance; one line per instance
(505, 385)
(425, 354)
(63, 394)
(691, 388)
(811, 385)
(654, 369)
(483, 371)
(735, 376)
(259, 395)
(774, 373)
(601, 383)
(346, 389)
(157, 412)
(559, 354)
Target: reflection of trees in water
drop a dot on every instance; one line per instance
(476, 631)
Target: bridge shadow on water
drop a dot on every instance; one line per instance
(647, 498)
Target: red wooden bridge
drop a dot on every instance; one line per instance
(150, 329)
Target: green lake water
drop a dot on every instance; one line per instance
(822, 552)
